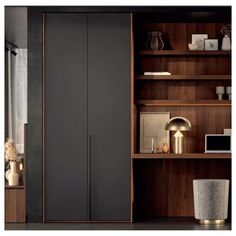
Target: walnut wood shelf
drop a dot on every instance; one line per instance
(183, 77)
(182, 156)
(14, 187)
(184, 53)
(183, 102)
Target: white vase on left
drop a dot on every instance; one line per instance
(226, 45)
(13, 176)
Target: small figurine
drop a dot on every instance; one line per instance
(165, 148)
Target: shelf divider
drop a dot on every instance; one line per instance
(183, 53)
(183, 102)
(181, 156)
(183, 77)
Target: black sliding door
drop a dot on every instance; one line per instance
(109, 115)
(65, 116)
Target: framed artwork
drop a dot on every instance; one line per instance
(152, 126)
(211, 44)
(198, 39)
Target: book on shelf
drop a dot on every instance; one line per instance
(157, 73)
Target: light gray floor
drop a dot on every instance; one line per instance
(160, 224)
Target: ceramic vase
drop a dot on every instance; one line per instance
(161, 43)
(226, 43)
(13, 176)
(154, 41)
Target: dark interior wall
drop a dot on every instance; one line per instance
(16, 25)
(16, 33)
(34, 135)
(34, 131)
(6, 96)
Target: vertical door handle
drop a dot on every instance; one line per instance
(89, 175)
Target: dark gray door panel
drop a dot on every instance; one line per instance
(109, 115)
(66, 116)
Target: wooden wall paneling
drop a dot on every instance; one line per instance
(14, 205)
(177, 35)
(185, 65)
(209, 121)
(203, 119)
(179, 90)
(164, 187)
(207, 89)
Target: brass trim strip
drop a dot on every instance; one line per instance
(211, 222)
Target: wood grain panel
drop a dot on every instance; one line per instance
(15, 205)
(184, 65)
(164, 187)
(204, 120)
(183, 53)
(182, 156)
(180, 89)
(183, 77)
(176, 36)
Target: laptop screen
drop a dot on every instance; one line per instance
(218, 143)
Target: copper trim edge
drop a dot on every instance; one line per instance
(210, 222)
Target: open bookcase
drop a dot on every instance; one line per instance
(162, 183)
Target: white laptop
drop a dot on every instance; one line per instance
(217, 143)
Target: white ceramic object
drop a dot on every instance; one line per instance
(228, 91)
(220, 90)
(13, 176)
(192, 46)
(7, 173)
(226, 45)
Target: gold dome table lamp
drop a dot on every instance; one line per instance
(178, 124)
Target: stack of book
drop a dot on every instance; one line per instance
(157, 73)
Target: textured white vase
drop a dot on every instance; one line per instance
(226, 43)
(211, 199)
(13, 176)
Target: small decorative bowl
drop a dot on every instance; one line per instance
(192, 47)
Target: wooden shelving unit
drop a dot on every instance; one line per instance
(183, 53)
(15, 196)
(162, 183)
(182, 156)
(183, 77)
(183, 102)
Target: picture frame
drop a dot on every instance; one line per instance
(211, 44)
(152, 126)
(198, 39)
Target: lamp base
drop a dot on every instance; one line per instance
(178, 146)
